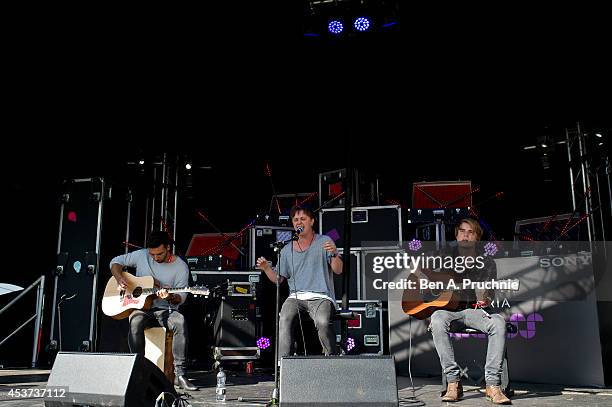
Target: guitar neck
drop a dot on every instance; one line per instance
(149, 291)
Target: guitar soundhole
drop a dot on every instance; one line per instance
(137, 292)
(429, 295)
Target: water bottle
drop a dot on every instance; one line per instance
(220, 391)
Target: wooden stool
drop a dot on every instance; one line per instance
(158, 349)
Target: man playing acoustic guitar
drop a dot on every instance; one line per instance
(168, 270)
(471, 314)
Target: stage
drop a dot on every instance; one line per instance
(260, 385)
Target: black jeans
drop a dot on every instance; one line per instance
(320, 310)
(171, 320)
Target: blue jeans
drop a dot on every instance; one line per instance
(494, 327)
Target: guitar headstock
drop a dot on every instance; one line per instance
(199, 290)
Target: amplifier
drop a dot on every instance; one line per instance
(339, 381)
(235, 322)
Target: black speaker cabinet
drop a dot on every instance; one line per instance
(105, 379)
(235, 322)
(338, 381)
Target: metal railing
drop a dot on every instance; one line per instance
(38, 316)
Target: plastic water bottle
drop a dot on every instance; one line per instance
(220, 391)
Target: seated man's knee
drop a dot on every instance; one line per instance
(286, 318)
(439, 322)
(136, 323)
(178, 323)
(498, 324)
(322, 321)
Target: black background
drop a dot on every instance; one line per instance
(442, 98)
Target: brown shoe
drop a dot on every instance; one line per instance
(454, 392)
(496, 396)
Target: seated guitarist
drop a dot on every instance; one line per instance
(168, 270)
(471, 314)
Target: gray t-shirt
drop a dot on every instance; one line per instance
(310, 270)
(169, 275)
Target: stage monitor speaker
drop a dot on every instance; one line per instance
(338, 381)
(105, 379)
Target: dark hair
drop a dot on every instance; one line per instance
(157, 239)
(298, 208)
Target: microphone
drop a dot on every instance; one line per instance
(296, 233)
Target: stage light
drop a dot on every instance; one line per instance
(335, 27)
(598, 135)
(141, 161)
(263, 343)
(362, 24)
(529, 147)
(350, 344)
(188, 166)
(544, 145)
(415, 245)
(490, 249)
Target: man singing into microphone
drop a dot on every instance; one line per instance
(307, 263)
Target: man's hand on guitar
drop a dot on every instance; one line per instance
(121, 283)
(163, 294)
(482, 304)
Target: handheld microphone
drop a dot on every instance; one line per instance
(299, 230)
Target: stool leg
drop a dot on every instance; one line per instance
(505, 379)
(169, 357)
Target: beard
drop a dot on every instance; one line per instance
(466, 244)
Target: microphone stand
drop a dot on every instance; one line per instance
(274, 401)
(277, 248)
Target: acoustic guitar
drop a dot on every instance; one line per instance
(139, 294)
(422, 302)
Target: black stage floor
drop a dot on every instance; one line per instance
(260, 385)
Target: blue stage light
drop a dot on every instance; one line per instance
(335, 26)
(362, 24)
